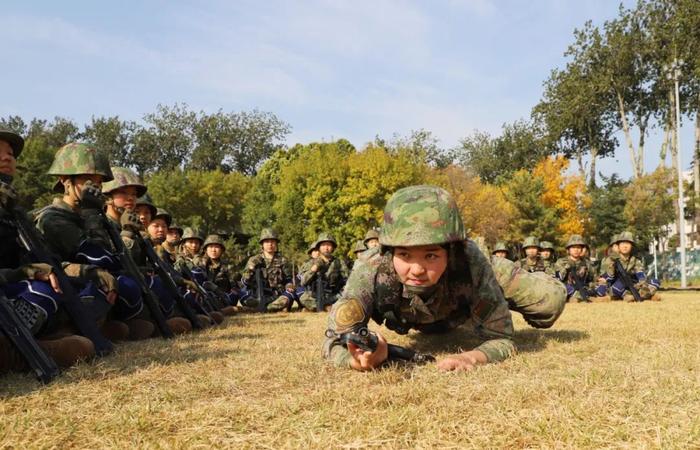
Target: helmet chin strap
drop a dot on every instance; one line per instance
(421, 291)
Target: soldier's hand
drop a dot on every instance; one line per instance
(289, 288)
(8, 195)
(108, 283)
(602, 281)
(362, 360)
(91, 196)
(462, 361)
(191, 285)
(130, 221)
(614, 256)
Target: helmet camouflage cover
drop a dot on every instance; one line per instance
(576, 239)
(15, 141)
(359, 247)
(371, 234)
(546, 245)
(124, 177)
(191, 233)
(421, 215)
(268, 233)
(625, 236)
(500, 247)
(163, 214)
(326, 237)
(214, 239)
(531, 241)
(145, 200)
(313, 246)
(79, 159)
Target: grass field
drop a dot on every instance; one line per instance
(606, 375)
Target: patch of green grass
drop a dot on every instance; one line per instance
(606, 375)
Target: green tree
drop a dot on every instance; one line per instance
(649, 205)
(607, 211)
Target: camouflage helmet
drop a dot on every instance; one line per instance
(421, 215)
(176, 227)
(214, 239)
(613, 240)
(15, 141)
(371, 234)
(625, 236)
(163, 214)
(192, 233)
(326, 237)
(531, 241)
(500, 247)
(268, 234)
(359, 247)
(576, 239)
(546, 245)
(124, 177)
(79, 159)
(145, 200)
(312, 247)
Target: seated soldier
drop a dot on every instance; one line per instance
(145, 209)
(532, 261)
(220, 277)
(603, 289)
(32, 289)
(646, 287)
(174, 235)
(326, 269)
(546, 254)
(74, 230)
(275, 274)
(190, 247)
(371, 239)
(576, 272)
(427, 275)
(359, 249)
(500, 250)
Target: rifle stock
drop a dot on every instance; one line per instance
(627, 281)
(368, 341)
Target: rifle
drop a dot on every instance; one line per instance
(31, 240)
(627, 280)
(367, 341)
(43, 366)
(133, 271)
(205, 305)
(320, 293)
(579, 285)
(164, 271)
(260, 294)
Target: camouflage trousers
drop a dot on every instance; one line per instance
(539, 297)
(308, 301)
(274, 303)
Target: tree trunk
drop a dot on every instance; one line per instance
(581, 165)
(665, 143)
(628, 136)
(594, 155)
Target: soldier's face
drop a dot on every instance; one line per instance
(531, 252)
(420, 266)
(575, 251)
(372, 243)
(144, 213)
(8, 163)
(625, 247)
(173, 235)
(157, 230)
(326, 247)
(546, 254)
(80, 180)
(192, 245)
(615, 247)
(315, 253)
(500, 254)
(269, 245)
(125, 198)
(214, 251)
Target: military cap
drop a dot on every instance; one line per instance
(268, 234)
(371, 234)
(421, 215)
(531, 241)
(15, 140)
(163, 214)
(359, 247)
(326, 237)
(124, 177)
(145, 200)
(625, 236)
(576, 239)
(191, 233)
(312, 247)
(79, 159)
(214, 239)
(500, 247)
(546, 245)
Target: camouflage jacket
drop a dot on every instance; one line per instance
(565, 266)
(333, 270)
(632, 264)
(532, 265)
(277, 270)
(549, 267)
(218, 272)
(184, 260)
(468, 290)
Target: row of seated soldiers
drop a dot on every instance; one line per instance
(576, 270)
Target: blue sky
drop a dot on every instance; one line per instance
(332, 69)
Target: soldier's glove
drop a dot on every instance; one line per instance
(104, 279)
(190, 285)
(130, 221)
(91, 197)
(26, 272)
(8, 195)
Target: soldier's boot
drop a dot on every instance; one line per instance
(140, 329)
(179, 325)
(204, 321)
(217, 316)
(10, 358)
(115, 330)
(68, 350)
(278, 304)
(603, 299)
(229, 310)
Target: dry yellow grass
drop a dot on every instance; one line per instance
(607, 375)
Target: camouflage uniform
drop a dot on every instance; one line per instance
(535, 264)
(548, 263)
(333, 272)
(500, 247)
(276, 276)
(469, 289)
(184, 257)
(219, 273)
(646, 287)
(566, 266)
